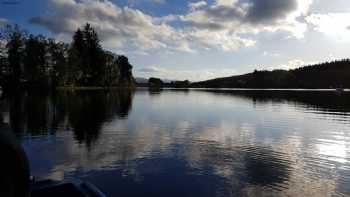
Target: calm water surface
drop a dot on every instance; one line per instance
(188, 143)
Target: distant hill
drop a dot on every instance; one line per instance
(325, 75)
(142, 80)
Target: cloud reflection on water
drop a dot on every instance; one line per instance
(229, 143)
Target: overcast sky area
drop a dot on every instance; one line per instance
(197, 39)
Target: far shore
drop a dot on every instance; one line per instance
(94, 88)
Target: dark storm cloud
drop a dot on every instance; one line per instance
(248, 12)
(55, 25)
(268, 11)
(257, 11)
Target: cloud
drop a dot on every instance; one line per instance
(295, 63)
(269, 11)
(3, 21)
(251, 16)
(221, 25)
(131, 28)
(335, 25)
(134, 2)
(225, 2)
(116, 26)
(271, 54)
(222, 40)
(196, 5)
(150, 70)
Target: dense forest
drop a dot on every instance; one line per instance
(28, 61)
(334, 74)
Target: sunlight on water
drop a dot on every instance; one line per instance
(333, 150)
(189, 143)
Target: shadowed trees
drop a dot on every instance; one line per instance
(35, 61)
(14, 38)
(125, 69)
(325, 75)
(58, 62)
(88, 57)
(30, 61)
(84, 112)
(155, 82)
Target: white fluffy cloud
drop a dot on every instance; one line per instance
(127, 27)
(196, 5)
(221, 25)
(335, 25)
(117, 27)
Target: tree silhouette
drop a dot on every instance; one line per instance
(36, 61)
(58, 62)
(125, 69)
(155, 82)
(15, 46)
(325, 75)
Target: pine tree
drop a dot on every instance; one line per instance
(125, 69)
(94, 56)
(15, 47)
(35, 60)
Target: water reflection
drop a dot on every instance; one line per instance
(318, 100)
(83, 111)
(266, 167)
(189, 143)
(88, 112)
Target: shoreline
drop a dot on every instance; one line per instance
(249, 89)
(94, 88)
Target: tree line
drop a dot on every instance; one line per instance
(38, 61)
(334, 74)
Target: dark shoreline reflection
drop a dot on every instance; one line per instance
(85, 112)
(318, 100)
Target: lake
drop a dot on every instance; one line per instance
(188, 142)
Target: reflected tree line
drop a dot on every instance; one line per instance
(322, 100)
(84, 112)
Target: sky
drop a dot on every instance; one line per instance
(197, 39)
